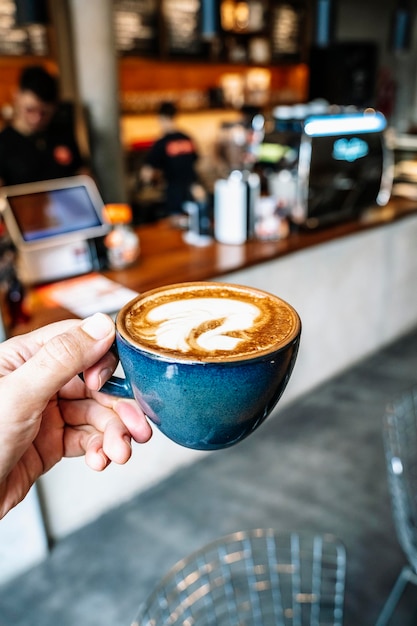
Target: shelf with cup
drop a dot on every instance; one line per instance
(24, 29)
(187, 51)
(222, 31)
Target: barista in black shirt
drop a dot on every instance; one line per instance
(174, 155)
(32, 147)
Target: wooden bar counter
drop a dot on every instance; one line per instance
(166, 258)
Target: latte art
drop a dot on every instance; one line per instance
(209, 322)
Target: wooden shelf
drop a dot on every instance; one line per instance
(289, 83)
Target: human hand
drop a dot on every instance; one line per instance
(47, 412)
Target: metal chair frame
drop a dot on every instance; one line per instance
(400, 442)
(253, 578)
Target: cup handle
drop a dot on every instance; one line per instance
(117, 386)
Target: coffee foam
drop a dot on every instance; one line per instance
(220, 321)
(209, 322)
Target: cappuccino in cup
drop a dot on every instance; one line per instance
(206, 361)
(209, 322)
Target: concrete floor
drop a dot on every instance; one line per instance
(317, 465)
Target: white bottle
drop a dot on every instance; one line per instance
(230, 209)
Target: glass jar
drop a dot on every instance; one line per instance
(122, 242)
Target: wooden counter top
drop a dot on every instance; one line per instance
(165, 257)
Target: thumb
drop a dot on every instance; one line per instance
(61, 358)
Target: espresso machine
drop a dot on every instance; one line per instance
(344, 166)
(325, 168)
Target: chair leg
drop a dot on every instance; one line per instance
(406, 575)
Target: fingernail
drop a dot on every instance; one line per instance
(98, 326)
(104, 376)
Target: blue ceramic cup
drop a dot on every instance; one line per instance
(206, 361)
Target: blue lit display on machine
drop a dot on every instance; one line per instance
(350, 149)
(345, 124)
